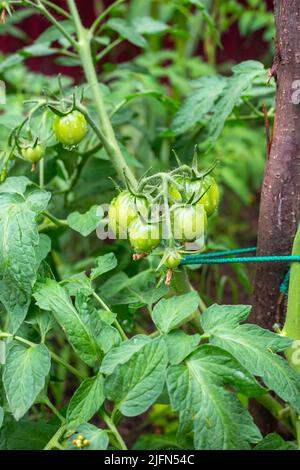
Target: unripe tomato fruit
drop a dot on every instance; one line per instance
(211, 198)
(123, 210)
(194, 189)
(70, 129)
(144, 237)
(189, 222)
(173, 259)
(33, 153)
(174, 194)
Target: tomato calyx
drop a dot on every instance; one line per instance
(172, 258)
(5, 9)
(169, 277)
(139, 256)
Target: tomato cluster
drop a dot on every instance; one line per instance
(201, 190)
(191, 200)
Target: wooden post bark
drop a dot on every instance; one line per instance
(280, 198)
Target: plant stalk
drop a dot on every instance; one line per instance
(86, 56)
(110, 424)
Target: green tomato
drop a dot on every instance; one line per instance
(144, 237)
(70, 129)
(194, 189)
(190, 188)
(123, 210)
(189, 222)
(33, 153)
(173, 259)
(211, 198)
(174, 193)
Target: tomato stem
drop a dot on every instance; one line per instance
(54, 410)
(58, 222)
(109, 142)
(110, 424)
(276, 410)
(115, 322)
(54, 441)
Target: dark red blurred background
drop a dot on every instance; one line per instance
(235, 47)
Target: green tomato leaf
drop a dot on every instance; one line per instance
(25, 434)
(199, 103)
(85, 223)
(104, 264)
(76, 322)
(86, 401)
(43, 249)
(78, 283)
(127, 31)
(135, 385)
(156, 442)
(171, 313)
(180, 345)
(19, 245)
(98, 438)
(37, 50)
(244, 75)
(213, 99)
(201, 6)
(122, 353)
(140, 289)
(24, 376)
(148, 25)
(215, 416)
(44, 320)
(274, 442)
(10, 61)
(254, 348)
(15, 185)
(52, 34)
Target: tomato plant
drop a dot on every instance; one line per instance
(137, 167)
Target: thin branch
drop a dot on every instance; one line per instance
(107, 49)
(104, 14)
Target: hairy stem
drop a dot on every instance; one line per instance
(111, 145)
(110, 424)
(115, 322)
(54, 441)
(276, 410)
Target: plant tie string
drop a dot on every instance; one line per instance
(226, 257)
